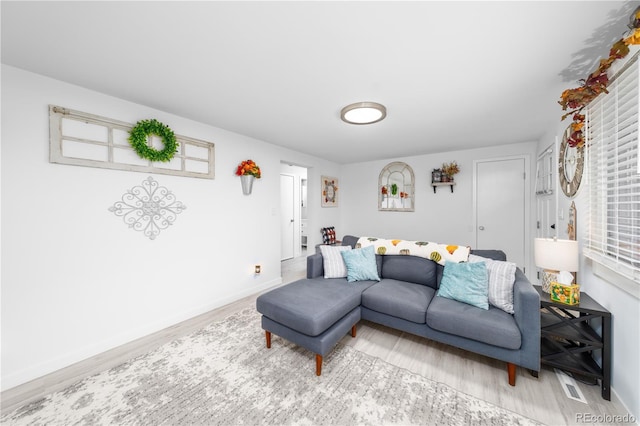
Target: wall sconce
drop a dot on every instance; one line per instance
(257, 269)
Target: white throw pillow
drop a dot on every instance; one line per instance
(502, 276)
(334, 266)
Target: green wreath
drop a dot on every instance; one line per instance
(138, 140)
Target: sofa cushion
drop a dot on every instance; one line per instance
(492, 326)
(310, 306)
(349, 240)
(399, 298)
(412, 269)
(379, 259)
(361, 264)
(332, 261)
(491, 254)
(466, 282)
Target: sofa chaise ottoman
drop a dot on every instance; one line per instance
(313, 313)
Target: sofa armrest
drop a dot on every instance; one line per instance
(526, 306)
(314, 266)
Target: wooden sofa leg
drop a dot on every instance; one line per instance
(353, 331)
(268, 336)
(318, 364)
(511, 368)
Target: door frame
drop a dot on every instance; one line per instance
(527, 205)
(296, 214)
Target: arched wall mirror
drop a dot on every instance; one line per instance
(395, 188)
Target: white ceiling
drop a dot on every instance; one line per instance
(453, 75)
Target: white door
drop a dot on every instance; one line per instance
(545, 210)
(501, 195)
(287, 225)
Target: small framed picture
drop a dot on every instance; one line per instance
(329, 191)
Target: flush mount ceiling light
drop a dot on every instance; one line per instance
(363, 113)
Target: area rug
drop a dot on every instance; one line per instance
(224, 375)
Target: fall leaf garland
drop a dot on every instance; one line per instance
(597, 82)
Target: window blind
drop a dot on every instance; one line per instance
(613, 237)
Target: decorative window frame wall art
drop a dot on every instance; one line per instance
(329, 191)
(396, 185)
(148, 207)
(82, 139)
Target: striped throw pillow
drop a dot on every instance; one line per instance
(502, 275)
(334, 266)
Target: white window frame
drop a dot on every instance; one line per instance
(612, 129)
(545, 172)
(183, 163)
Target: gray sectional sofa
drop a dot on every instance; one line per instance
(316, 312)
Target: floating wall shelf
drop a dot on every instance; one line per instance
(437, 184)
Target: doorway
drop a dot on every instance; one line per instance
(501, 207)
(287, 216)
(293, 208)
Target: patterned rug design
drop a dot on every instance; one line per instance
(224, 375)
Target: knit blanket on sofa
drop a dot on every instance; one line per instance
(439, 253)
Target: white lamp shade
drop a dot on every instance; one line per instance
(556, 255)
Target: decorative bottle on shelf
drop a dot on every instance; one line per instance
(436, 176)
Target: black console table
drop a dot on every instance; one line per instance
(568, 340)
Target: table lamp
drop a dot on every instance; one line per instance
(554, 255)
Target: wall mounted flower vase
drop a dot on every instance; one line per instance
(247, 183)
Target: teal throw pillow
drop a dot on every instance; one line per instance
(361, 264)
(466, 282)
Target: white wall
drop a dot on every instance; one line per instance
(441, 217)
(624, 308)
(76, 281)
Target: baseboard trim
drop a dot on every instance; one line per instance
(38, 388)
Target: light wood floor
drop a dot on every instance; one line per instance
(541, 399)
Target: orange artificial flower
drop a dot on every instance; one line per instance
(248, 167)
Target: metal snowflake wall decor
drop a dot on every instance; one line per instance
(149, 208)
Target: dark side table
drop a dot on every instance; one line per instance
(568, 340)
